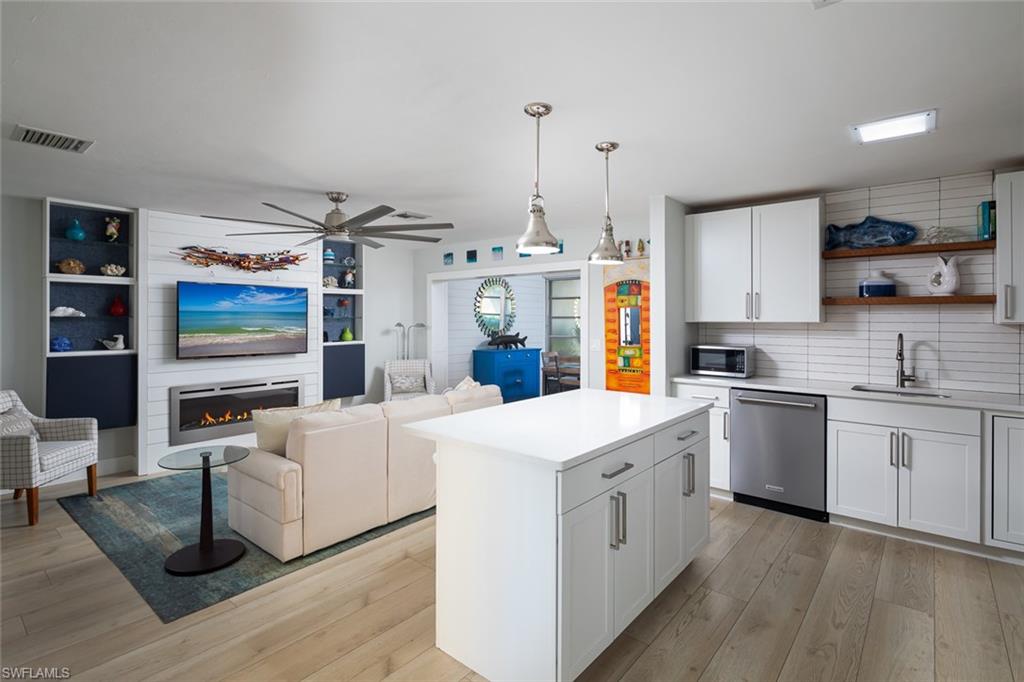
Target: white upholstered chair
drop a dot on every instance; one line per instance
(402, 379)
(35, 451)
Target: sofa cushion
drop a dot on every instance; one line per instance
(57, 453)
(407, 383)
(366, 411)
(467, 383)
(272, 425)
(16, 423)
(474, 398)
(401, 409)
(269, 484)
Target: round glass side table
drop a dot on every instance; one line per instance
(208, 554)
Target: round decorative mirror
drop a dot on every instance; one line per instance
(495, 306)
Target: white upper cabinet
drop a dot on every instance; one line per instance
(718, 248)
(759, 264)
(787, 262)
(1010, 248)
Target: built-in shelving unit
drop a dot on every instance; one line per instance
(89, 379)
(910, 300)
(344, 362)
(910, 249)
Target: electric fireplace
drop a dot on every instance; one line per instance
(208, 411)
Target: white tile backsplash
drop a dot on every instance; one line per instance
(953, 347)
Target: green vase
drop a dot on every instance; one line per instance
(346, 334)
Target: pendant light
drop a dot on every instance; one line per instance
(537, 240)
(607, 251)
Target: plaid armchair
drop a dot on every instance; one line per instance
(407, 379)
(34, 451)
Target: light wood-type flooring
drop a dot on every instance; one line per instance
(771, 597)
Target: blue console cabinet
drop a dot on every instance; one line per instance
(516, 372)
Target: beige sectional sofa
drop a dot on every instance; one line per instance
(343, 472)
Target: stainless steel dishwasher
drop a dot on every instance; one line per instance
(777, 448)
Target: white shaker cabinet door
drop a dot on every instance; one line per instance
(718, 266)
(698, 509)
(940, 483)
(787, 262)
(862, 471)
(1008, 479)
(1009, 195)
(634, 559)
(719, 464)
(587, 579)
(670, 486)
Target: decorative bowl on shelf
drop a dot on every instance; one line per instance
(71, 266)
(60, 344)
(349, 261)
(65, 311)
(113, 270)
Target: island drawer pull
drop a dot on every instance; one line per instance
(622, 527)
(614, 544)
(621, 470)
(688, 436)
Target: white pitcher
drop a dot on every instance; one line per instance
(944, 278)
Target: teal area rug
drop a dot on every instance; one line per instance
(140, 524)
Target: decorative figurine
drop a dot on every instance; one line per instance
(937, 235)
(627, 250)
(75, 231)
(113, 270)
(65, 311)
(346, 334)
(116, 343)
(117, 308)
(349, 281)
(944, 278)
(507, 341)
(349, 262)
(60, 344)
(71, 266)
(113, 230)
(330, 282)
(868, 233)
(204, 257)
(329, 255)
(343, 302)
(640, 248)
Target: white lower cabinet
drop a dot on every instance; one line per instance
(682, 519)
(1008, 479)
(922, 480)
(634, 557)
(719, 462)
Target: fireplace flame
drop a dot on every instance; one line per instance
(226, 418)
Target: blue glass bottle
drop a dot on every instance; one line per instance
(75, 232)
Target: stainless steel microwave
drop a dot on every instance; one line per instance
(722, 361)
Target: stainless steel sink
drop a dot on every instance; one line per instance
(909, 392)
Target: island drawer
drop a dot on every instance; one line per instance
(719, 395)
(583, 482)
(681, 435)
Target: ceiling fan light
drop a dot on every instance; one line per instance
(607, 251)
(537, 240)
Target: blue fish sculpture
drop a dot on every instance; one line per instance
(869, 233)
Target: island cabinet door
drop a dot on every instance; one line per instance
(670, 487)
(634, 559)
(587, 535)
(697, 495)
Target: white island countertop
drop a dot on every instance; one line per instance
(564, 429)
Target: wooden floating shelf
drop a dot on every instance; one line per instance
(910, 300)
(986, 244)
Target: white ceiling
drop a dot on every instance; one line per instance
(211, 108)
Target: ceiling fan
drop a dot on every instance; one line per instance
(337, 225)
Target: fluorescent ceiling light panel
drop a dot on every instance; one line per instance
(898, 126)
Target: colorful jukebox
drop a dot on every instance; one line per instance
(627, 329)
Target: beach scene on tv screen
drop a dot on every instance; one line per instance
(238, 319)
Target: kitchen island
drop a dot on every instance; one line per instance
(559, 519)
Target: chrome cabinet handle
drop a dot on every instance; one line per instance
(757, 306)
(725, 425)
(892, 448)
(748, 306)
(764, 401)
(1007, 300)
(688, 436)
(621, 470)
(690, 474)
(904, 459)
(614, 544)
(623, 525)
(704, 397)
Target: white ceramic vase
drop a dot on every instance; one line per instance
(944, 279)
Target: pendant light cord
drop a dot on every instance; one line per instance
(607, 192)
(536, 167)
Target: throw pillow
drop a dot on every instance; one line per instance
(272, 425)
(466, 384)
(401, 383)
(15, 424)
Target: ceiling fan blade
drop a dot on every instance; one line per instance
(247, 234)
(368, 216)
(366, 242)
(297, 215)
(410, 237)
(259, 222)
(403, 228)
(311, 241)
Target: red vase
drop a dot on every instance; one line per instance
(118, 308)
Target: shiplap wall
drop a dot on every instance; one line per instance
(954, 347)
(168, 232)
(463, 334)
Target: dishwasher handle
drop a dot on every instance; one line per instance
(766, 401)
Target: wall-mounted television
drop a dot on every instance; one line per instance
(218, 320)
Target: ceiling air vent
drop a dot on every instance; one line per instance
(48, 138)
